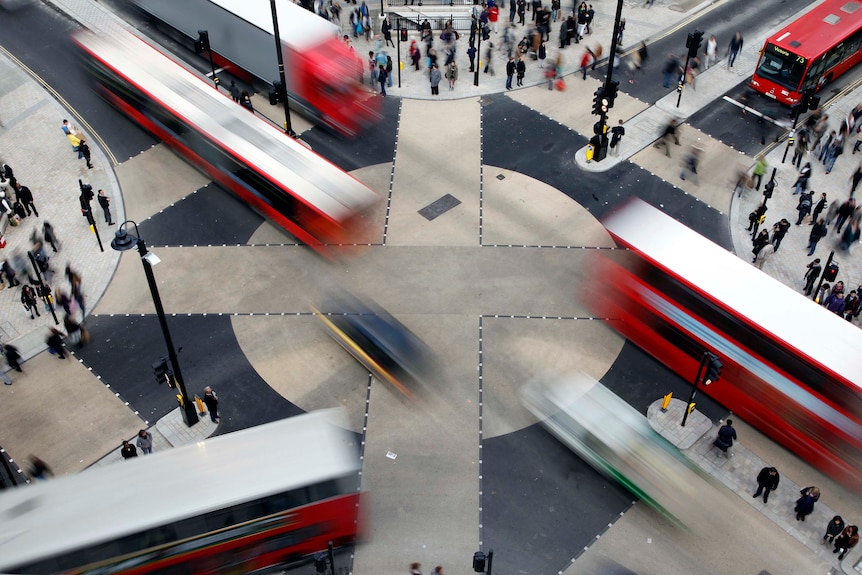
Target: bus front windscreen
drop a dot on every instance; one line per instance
(782, 67)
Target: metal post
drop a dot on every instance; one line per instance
(398, 50)
(490, 560)
(681, 83)
(769, 186)
(331, 559)
(478, 51)
(212, 66)
(278, 51)
(88, 211)
(190, 416)
(802, 100)
(603, 138)
(700, 369)
(39, 278)
(822, 273)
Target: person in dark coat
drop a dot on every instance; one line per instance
(128, 450)
(725, 439)
(804, 206)
(805, 504)
(50, 236)
(779, 230)
(29, 301)
(846, 541)
(767, 480)
(55, 343)
(13, 356)
(211, 401)
(818, 232)
(39, 469)
(105, 203)
(234, 91)
(759, 243)
(25, 196)
(818, 207)
(85, 152)
(835, 527)
(814, 269)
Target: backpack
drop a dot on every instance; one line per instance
(805, 204)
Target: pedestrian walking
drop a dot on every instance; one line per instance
(587, 58)
(55, 343)
(435, 78)
(39, 470)
(767, 480)
(386, 29)
(25, 197)
(668, 134)
(802, 178)
(764, 254)
(234, 92)
(833, 529)
(805, 504)
(145, 441)
(381, 79)
(800, 149)
(452, 74)
(489, 59)
(617, 133)
(710, 51)
(845, 210)
(50, 236)
(803, 207)
(855, 177)
(850, 236)
(105, 203)
(733, 49)
(811, 275)
(29, 301)
(846, 541)
(245, 101)
(128, 450)
(779, 230)
(13, 357)
(3, 377)
(672, 70)
(416, 568)
(211, 401)
(818, 208)
(9, 271)
(759, 170)
(85, 153)
(726, 437)
(689, 164)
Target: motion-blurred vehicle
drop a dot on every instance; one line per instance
(244, 501)
(323, 75)
(791, 367)
(381, 343)
(617, 441)
(316, 201)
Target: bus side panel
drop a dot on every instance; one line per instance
(627, 298)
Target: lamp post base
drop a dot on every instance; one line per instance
(190, 415)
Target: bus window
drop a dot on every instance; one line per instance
(783, 70)
(834, 56)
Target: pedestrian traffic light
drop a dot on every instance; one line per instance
(202, 44)
(612, 92)
(768, 188)
(831, 272)
(403, 34)
(693, 43)
(479, 562)
(713, 368)
(810, 100)
(600, 104)
(162, 371)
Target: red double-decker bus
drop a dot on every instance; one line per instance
(811, 51)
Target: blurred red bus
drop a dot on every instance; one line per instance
(323, 75)
(791, 367)
(812, 50)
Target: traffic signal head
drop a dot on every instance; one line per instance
(202, 44)
(403, 34)
(600, 103)
(768, 188)
(831, 272)
(713, 369)
(277, 94)
(812, 102)
(161, 371)
(693, 42)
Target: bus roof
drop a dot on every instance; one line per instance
(56, 516)
(312, 179)
(818, 30)
(824, 338)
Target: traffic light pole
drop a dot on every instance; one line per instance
(288, 128)
(697, 377)
(823, 275)
(478, 51)
(692, 44)
(767, 193)
(805, 103)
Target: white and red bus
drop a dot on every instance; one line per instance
(323, 75)
(248, 500)
(791, 367)
(316, 201)
(812, 50)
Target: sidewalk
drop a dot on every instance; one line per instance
(738, 473)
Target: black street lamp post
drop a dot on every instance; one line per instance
(124, 241)
(288, 128)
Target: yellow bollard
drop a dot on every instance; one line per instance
(180, 399)
(666, 401)
(200, 404)
(691, 407)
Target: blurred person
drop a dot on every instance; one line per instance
(587, 58)
(805, 504)
(667, 135)
(845, 210)
(779, 230)
(846, 541)
(435, 78)
(50, 236)
(849, 237)
(672, 70)
(245, 101)
(802, 178)
(128, 450)
(211, 401)
(852, 305)
(416, 568)
(13, 357)
(145, 441)
(803, 207)
(75, 331)
(767, 480)
(799, 150)
(29, 301)
(833, 529)
(811, 276)
(759, 170)
(822, 293)
(39, 469)
(689, 164)
(489, 59)
(764, 254)
(55, 343)
(734, 48)
(234, 91)
(855, 177)
(8, 270)
(452, 74)
(710, 51)
(617, 133)
(726, 436)
(818, 208)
